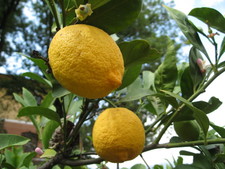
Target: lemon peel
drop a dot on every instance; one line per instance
(86, 61)
(118, 135)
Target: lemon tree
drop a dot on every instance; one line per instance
(102, 102)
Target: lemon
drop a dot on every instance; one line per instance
(187, 130)
(86, 61)
(118, 135)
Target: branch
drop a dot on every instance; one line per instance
(183, 144)
(81, 162)
(53, 161)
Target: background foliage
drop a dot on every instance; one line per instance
(155, 85)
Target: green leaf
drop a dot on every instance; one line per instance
(115, 15)
(19, 99)
(9, 140)
(135, 53)
(148, 79)
(188, 29)
(47, 132)
(48, 100)
(136, 91)
(186, 84)
(198, 114)
(49, 153)
(59, 91)
(202, 161)
(222, 47)
(28, 97)
(210, 16)
(207, 107)
(130, 74)
(97, 3)
(166, 74)
(138, 166)
(196, 75)
(28, 159)
(210, 106)
(218, 129)
(42, 111)
(41, 64)
(37, 78)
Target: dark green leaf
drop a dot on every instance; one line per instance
(220, 158)
(137, 52)
(186, 84)
(218, 129)
(188, 29)
(207, 107)
(210, 106)
(186, 153)
(47, 133)
(115, 15)
(9, 140)
(202, 161)
(131, 73)
(196, 75)
(42, 111)
(28, 159)
(167, 99)
(37, 78)
(166, 74)
(198, 114)
(186, 166)
(97, 3)
(210, 16)
(41, 64)
(222, 47)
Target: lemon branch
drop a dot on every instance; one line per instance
(80, 162)
(195, 95)
(184, 144)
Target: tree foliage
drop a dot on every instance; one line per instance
(25, 26)
(166, 95)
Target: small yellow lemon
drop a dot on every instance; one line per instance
(86, 61)
(118, 135)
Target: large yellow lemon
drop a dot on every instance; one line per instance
(86, 61)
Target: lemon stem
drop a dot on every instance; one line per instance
(110, 102)
(145, 161)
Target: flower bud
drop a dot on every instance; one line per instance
(83, 11)
(201, 65)
(38, 151)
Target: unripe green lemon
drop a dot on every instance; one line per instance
(187, 130)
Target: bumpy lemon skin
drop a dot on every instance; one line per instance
(86, 61)
(118, 135)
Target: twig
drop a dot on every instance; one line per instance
(145, 161)
(183, 144)
(81, 162)
(53, 161)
